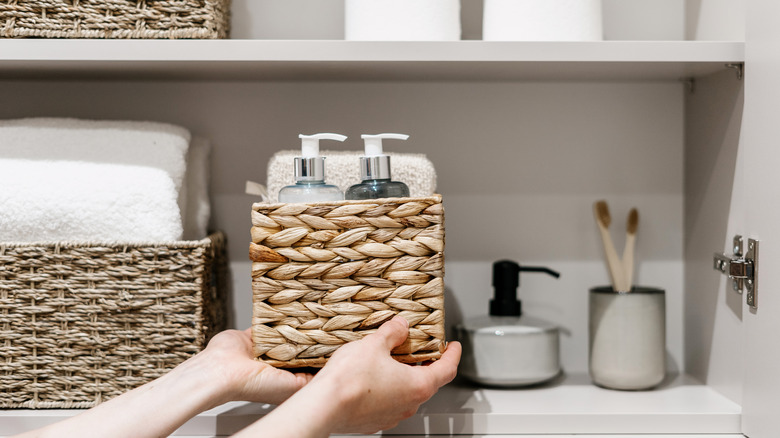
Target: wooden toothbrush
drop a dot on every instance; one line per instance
(628, 252)
(615, 267)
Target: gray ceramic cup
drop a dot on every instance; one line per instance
(627, 333)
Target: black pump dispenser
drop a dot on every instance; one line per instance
(506, 280)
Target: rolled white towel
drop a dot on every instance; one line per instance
(138, 153)
(342, 169)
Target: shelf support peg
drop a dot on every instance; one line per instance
(739, 67)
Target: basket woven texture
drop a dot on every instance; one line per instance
(325, 274)
(82, 323)
(202, 19)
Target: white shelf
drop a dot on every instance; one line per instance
(570, 405)
(356, 60)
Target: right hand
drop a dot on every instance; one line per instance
(371, 391)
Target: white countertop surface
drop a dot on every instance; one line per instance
(568, 405)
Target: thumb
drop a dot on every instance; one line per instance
(273, 385)
(393, 333)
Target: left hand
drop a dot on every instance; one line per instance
(228, 357)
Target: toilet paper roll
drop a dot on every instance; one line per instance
(542, 20)
(402, 20)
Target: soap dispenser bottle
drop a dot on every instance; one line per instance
(506, 347)
(375, 171)
(310, 173)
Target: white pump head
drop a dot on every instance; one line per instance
(374, 142)
(310, 144)
(375, 164)
(310, 166)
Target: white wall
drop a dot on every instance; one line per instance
(715, 20)
(519, 165)
(622, 19)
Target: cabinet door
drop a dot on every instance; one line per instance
(760, 149)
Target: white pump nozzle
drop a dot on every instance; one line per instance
(310, 166)
(374, 142)
(310, 144)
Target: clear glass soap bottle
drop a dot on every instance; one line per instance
(310, 173)
(375, 172)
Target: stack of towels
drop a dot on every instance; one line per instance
(101, 181)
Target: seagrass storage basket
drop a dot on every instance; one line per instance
(82, 323)
(324, 274)
(201, 19)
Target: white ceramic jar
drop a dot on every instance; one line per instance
(627, 332)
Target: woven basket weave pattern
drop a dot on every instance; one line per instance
(329, 273)
(201, 19)
(82, 323)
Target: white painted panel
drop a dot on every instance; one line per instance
(713, 208)
(287, 19)
(715, 20)
(564, 301)
(644, 20)
(761, 133)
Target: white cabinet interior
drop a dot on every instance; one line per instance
(524, 136)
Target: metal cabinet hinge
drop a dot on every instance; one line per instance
(741, 269)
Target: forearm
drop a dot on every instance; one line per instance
(310, 413)
(152, 410)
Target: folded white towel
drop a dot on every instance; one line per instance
(141, 155)
(342, 170)
(78, 201)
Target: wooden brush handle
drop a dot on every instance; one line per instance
(628, 261)
(614, 265)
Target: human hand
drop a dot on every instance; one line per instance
(229, 359)
(224, 371)
(361, 389)
(370, 391)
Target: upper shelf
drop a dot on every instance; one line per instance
(362, 60)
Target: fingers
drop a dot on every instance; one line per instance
(392, 333)
(444, 370)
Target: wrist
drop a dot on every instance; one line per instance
(332, 400)
(315, 402)
(205, 385)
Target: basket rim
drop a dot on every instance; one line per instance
(183, 244)
(436, 198)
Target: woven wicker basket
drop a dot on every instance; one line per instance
(115, 18)
(325, 274)
(80, 324)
